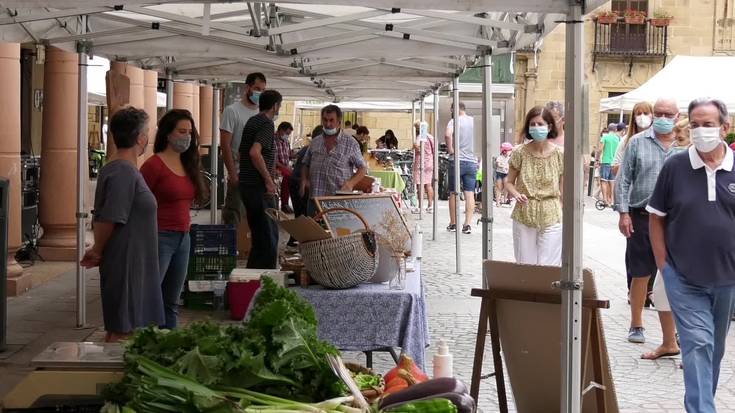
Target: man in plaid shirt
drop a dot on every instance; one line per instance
(283, 162)
(333, 162)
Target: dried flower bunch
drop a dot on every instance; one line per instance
(389, 236)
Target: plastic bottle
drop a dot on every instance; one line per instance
(443, 362)
(417, 242)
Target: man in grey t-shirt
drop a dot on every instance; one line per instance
(234, 118)
(467, 168)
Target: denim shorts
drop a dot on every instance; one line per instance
(467, 176)
(606, 173)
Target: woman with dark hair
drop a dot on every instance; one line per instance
(172, 174)
(388, 141)
(535, 181)
(125, 242)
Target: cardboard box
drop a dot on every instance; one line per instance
(304, 229)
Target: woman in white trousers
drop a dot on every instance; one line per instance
(535, 181)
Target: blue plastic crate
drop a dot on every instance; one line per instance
(213, 240)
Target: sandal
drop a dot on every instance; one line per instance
(653, 355)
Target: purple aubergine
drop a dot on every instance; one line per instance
(426, 389)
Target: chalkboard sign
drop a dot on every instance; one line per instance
(371, 207)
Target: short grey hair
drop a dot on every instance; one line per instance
(720, 105)
(556, 106)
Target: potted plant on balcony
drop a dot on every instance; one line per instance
(635, 16)
(661, 18)
(607, 17)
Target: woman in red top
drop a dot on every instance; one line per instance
(172, 174)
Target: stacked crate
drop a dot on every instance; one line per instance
(212, 258)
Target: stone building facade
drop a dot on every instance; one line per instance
(620, 57)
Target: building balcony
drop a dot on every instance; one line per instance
(629, 41)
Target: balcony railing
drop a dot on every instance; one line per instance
(628, 41)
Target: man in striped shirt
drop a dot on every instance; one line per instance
(643, 160)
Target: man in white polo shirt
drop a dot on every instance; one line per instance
(692, 230)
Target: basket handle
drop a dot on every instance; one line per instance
(351, 211)
(275, 214)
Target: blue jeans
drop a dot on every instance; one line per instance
(173, 262)
(467, 176)
(702, 317)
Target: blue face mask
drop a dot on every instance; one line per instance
(330, 132)
(663, 125)
(255, 97)
(538, 133)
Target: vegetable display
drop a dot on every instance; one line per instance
(276, 352)
(273, 363)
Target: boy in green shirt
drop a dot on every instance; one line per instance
(609, 143)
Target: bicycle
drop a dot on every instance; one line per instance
(207, 178)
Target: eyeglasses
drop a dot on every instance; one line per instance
(665, 115)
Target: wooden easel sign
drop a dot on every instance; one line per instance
(523, 312)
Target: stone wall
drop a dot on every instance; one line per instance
(690, 33)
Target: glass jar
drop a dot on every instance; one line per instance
(399, 281)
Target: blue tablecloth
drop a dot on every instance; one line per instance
(371, 317)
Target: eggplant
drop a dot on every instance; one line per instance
(424, 390)
(463, 401)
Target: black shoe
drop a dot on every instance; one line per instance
(466, 229)
(287, 209)
(452, 228)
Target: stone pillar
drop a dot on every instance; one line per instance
(10, 159)
(531, 77)
(124, 87)
(184, 96)
(57, 208)
(151, 108)
(195, 103)
(205, 115)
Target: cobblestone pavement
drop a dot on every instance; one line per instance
(642, 386)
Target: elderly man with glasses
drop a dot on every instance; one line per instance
(643, 160)
(693, 234)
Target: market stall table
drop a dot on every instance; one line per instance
(371, 317)
(389, 179)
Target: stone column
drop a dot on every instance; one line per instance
(150, 85)
(57, 208)
(205, 115)
(531, 77)
(184, 96)
(124, 87)
(195, 103)
(10, 159)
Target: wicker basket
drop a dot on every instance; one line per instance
(342, 262)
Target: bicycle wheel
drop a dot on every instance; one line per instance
(207, 178)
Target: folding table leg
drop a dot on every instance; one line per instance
(479, 349)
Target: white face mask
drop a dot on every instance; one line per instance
(706, 139)
(643, 121)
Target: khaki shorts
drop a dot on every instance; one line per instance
(234, 210)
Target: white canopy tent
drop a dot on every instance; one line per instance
(334, 50)
(685, 78)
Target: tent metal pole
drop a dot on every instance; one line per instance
(435, 180)
(571, 270)
(490, 148)
(214, 158)
(82, 178)
(169, 89)
(457, 188)
(420, 183)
